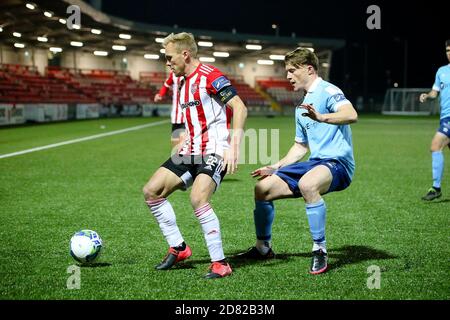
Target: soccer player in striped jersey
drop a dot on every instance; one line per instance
(207, 154)
(322, 127)
(176, 114)
(442, 136)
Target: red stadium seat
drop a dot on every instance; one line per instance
(280, 90)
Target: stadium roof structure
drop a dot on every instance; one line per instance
(30, 20)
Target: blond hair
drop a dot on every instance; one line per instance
(300, 57)
(182, 41)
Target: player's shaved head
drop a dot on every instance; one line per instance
(300, 57)
(182, 41)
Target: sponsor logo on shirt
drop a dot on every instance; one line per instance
(220, 83)
(194, 103)
(311, 125)
(339, 97)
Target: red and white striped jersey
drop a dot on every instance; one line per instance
(176, 115)
(206, 116)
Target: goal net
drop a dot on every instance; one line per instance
(405, 101)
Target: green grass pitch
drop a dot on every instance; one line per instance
(379, 220)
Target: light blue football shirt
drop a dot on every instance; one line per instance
(442, 84)
(325, 141)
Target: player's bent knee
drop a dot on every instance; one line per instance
(151, 192)
(307, 188)
(262, 191)
(197, 202)
(438, 143)
(436, 146)
(198, 199)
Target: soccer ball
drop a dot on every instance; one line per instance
(85, 246)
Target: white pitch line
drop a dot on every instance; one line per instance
(97, 136)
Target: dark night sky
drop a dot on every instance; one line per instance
(421, 25)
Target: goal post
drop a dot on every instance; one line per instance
(405, 101)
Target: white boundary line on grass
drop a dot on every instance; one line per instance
(96, 136)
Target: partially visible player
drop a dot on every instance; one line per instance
(322, 127)
(442, 137)
(205, 157)
(176, 114)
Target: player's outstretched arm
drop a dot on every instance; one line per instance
(345, 114)
(430, 95)
(162, 92)
(231, 156)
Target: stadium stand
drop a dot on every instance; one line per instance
(24, 84)
(105, 86)
(153, 81)
(44, 76)
(248, 94)
(280, 89)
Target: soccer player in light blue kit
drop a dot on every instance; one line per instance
(442, 137)
(322, 127)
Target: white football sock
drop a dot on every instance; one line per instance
(211, 230)
(263, 246)
(164, 214)
(320, 245)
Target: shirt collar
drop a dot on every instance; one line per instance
(188, 76)
(314, 84)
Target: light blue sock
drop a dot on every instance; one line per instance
(438, 168)
(316, 213)
(263, 215)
